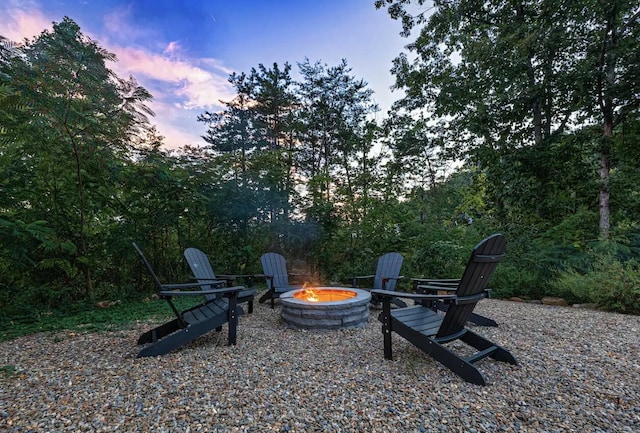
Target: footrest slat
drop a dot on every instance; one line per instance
(481, 355)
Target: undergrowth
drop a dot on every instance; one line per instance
(84, 317)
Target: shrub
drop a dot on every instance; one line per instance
(510, 280)
(612, 284)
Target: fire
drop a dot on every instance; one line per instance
(324, 294)
(308, 294)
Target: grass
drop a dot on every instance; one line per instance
(82, 317)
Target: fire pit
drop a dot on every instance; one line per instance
(325, 308)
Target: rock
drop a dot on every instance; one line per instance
(549, 300)
(588, 306)
(107, 304)
(516, 299)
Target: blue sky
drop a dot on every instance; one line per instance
(183, 51)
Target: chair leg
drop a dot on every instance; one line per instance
(266, 296)
(453, 362)
(385, 318)
(159, 332)
(233, 319)
(461, 366)
(178, 339)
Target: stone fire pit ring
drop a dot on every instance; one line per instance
(352, 312)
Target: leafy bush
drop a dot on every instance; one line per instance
(441, 259)
(612, 284)
(510, 280)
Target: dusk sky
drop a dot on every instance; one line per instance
(184, 51)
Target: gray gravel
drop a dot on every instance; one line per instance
(579, 371)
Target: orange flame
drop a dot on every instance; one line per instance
(308, 293)
(324, 294)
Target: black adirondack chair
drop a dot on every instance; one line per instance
(446, 286)
(431, 330)
(386, 276)
(203, 272)
(193, 322)
(274, 267)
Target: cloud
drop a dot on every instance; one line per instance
(18, 23)
(182, 87)
(173, 48)
(178, 126)
(190, 85)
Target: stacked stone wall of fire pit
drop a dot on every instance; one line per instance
(344, 314)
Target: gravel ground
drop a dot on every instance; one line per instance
(579, 371)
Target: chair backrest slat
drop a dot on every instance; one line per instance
(483, 261)
(388, 267)
(274, 264)
(146, 263)
(200, 267)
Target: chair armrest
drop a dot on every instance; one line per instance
(181, 286)
(386, 279)
(234, 276)
(354, 280)
(470, 299)
(454, 299)
(299, 275)
(223, 291)
(435, 284)
(218, 282)
(416, 296)
(422, 289)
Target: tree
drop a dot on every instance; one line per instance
(610, 80)
(336, 138)
(507, 75)
(253, 135)
(64, 155)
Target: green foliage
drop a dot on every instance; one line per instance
(513, 279)
(82, 317)
(291, 166)
(612, 284)
(61, 158)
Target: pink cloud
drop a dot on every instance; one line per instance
(180, 85)
(18, 24)
(195, 86)
(173, 48)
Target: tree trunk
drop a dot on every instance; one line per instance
(607, 81)
(605, 211)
